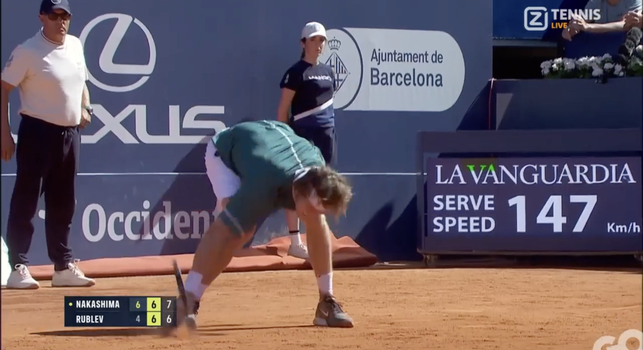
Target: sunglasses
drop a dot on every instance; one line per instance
(55, 16)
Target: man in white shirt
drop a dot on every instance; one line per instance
(50, 73)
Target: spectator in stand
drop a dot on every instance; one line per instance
(633, 19)
(613, 17)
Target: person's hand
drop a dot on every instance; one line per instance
(568, 33)
(633, 19)
(577, 23)
(85, 118)
(8, 145)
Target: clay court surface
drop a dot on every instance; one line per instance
(406, 309)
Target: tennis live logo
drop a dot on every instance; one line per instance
(540, 18)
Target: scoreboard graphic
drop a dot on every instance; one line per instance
(120, 311)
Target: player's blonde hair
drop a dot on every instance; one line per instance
(332, 189)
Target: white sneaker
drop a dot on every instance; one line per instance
(21, 278)
(72, 277)
(298, 250)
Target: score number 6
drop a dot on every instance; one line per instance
(555, 204)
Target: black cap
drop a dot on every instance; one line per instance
(48, 6)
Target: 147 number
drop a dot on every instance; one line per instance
(555, 205)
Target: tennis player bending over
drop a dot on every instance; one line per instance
(260, 167)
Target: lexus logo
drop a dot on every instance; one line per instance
(106, 58)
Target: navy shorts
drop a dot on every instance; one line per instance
(324, 138)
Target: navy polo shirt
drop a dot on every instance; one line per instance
(314, 86)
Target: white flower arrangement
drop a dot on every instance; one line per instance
(593, 67)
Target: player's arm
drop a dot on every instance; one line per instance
(311, 211)
(318, 238)
(316, 224)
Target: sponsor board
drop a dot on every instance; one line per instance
(147, 215)
(158, 97)
(395, 70)
(558, 203)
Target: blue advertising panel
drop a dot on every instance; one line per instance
(160, 90)
(545, 104)
(562, 204)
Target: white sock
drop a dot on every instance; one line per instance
(193, 285)
(325, 283)
(295, 238)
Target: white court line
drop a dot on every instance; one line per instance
(200, 174)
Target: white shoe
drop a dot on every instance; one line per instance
(71, 277)
(298, 250)
(21, 278)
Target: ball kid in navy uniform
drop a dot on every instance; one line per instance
(306, 104)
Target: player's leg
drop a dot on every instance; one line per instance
(329, 312)
(225, 183)
(229, 232)
(212, 256)
(297, 247)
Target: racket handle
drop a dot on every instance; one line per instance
(179, 282)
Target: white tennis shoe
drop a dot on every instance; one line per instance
(298, 250)
(71, 277)
(20, 278)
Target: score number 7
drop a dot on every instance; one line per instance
(555, 204)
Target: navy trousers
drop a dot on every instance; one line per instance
(47, 163)
(324, 138)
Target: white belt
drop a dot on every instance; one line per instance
(314, 110)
